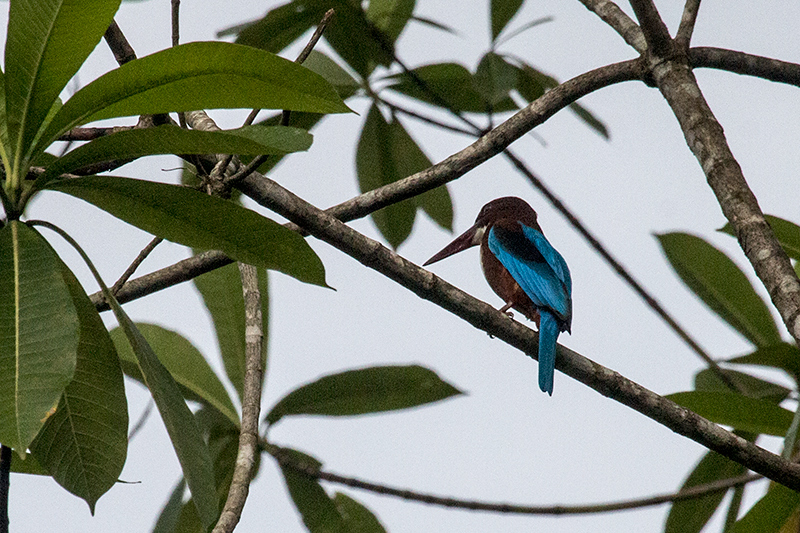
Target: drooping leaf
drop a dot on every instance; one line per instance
(592, 121)
(376, 166)
(48, 41)
(433, 24)
(195, 219)
(278, 29)
(181, 425)
(787, 233)
(367, 390)
(39, 332)
(189, 76)
(724, 288)
(390, 16)
(494, 79)
(708, 380)
(183, 361)
(171, 139)
(691, 516)
(319, 512)
(783, 355)
(522, 29)
(85, 443)
(362, 45)
(221, 290)
(329, 69)
(740, 412)
(771, 512)
(410, 159)
(357, 518)
(502, 12)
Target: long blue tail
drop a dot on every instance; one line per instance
(548, 335)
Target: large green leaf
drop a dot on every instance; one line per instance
(771, 512)
(787, 233)
(390, 16)
(171, 512)
(784, 356)
(171, 139)
(367, 390)
(709, 380)
(221, 290)
(183, 361)
(84, 444)
(195, 219)
(357, 518)
(690, 516)
(191, 449)
(201, 75)
(721, 285)
(502, 12)
(48, 40)
(39, 332)
(376, 167)
(737, 411)
(319, 512)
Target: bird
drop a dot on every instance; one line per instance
(522, 268)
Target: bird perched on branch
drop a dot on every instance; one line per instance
(523, 269)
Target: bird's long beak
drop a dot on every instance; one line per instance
(471, 237)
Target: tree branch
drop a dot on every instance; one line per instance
(447, 170)
(612, 15)
(659, 43)
(483, 316)
(748, 64)
(686, 28)
(251, 404)
(691, 493)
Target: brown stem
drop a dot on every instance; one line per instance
(611, 14)
(688, 20)
(119, 45)
(748, 64)
(6, 457)
(659, 43)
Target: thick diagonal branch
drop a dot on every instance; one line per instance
(481, 315)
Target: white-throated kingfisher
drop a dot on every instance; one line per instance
(523, 269)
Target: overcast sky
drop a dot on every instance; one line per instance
(505, 441)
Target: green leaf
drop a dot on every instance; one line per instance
(319, 512)
(787, 233)
(771, 512)
(356, 39)
(38, 334)
(48, 41)
(784, 356)
(339, 78)
(183, 361)
(522, 29)
(724, 288)
(278, 29)
(84, 444)
(197, 220)
(433, 24)
(495, 78)
(357, 518)
(737, 411)
(751, 386)
(410, 159)
(171, 512)
(171, 139)
(221, 290)
(531, 83)
(502, 12)
(447, 85)
(390, 16)
(376, 167)
(690, 516)
(28, 466)
(189, 76)
(367, 390)
(181, 425)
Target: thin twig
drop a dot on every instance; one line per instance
(691, 493)
(251, 404)
(89, 134)
(137, 427)
(684, 34)
(746, 64)
(136, 262)
(6, 457)
(481, 315)
(176, 22)
(119, 45)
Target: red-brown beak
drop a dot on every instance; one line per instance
(468, 239)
